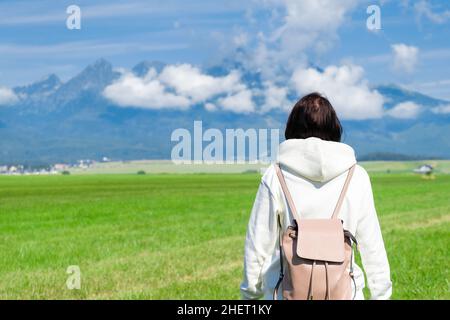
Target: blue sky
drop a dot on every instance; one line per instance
(34, 40)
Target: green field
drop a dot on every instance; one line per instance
(167, 166)
(182, 236)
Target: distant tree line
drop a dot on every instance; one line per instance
(388, 156)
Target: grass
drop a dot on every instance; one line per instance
(167, 166)
(182, 236)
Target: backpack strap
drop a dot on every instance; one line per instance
(343, 192)
(291, 202)
(286, 192)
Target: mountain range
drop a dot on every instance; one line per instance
(56, 121)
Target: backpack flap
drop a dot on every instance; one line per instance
(321, 239)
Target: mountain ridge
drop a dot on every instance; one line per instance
(57, 121)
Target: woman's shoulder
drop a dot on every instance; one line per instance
(269, 174)
(361, 173)
(360, 170)
(360, 179)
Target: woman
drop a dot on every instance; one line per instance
(315, 164)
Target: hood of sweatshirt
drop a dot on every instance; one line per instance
(315, 159)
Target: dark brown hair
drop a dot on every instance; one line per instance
(313, 116)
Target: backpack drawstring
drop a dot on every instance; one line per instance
(328, 296)
(310, 292)
(280, 243)
(353, 244)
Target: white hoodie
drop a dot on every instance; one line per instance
(315, 171)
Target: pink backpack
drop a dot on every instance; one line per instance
(318, 252)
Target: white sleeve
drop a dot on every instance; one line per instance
(371, 247)
(260, 242)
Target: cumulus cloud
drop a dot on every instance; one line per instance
(292, 31)
(405, 57)
(295, 27)
(405, 110)
(181, 86)
(241, 102)
(7, 96)
(443, 109)
(311, 22)
(275, 97)
(345, 87)
(190, 82)
(147, 92)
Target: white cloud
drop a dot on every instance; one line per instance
(147, 92)
(405, 57)
(405, 110)
(423, 9)
(7, 96)
(297, 27)
(274, 97)
(311, 22)
(181, 86)
(444, 109)
(191, 82)
(241, 102)
(346, 89)
(210, 106)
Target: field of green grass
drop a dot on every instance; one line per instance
(167, 166)
(182, 236)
